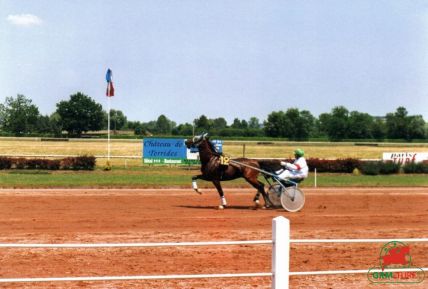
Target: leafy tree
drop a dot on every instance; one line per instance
(360, 125)
(19, 116)
(219, 123)
(336, 123)
(323, 122)
(426, 129)
(237, 124)
(293, 124)
(2, 115)
(132, 124)
(299, 124)
(55, 123)
(117, 119)
(136, 126)
(378, 129)
(80, 114)
(291, 120)
(396, 124)
(254, 123)
(43, 124)
(400, 125)
(305, 125)
(183, 129)
(275, 125)
(164, 125)
(138, 130)
(149, 127)
(203, 123)
(416, 127)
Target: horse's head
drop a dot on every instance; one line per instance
(196, 140)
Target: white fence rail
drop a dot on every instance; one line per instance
(123, 245)
(280, 258)
(130, 278)
(117, 157)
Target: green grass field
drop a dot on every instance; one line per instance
(132, 173)
(158, 177)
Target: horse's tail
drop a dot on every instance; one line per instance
(269, 165)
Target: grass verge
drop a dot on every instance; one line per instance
(158, 177)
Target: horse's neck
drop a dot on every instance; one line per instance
(205, 152)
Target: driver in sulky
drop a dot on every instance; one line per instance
(296, 171)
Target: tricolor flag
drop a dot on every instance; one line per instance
(110, 88)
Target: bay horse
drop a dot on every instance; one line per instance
(213, 170)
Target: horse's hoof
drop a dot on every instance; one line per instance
(198, 191)
(257, 204)
(221, 207)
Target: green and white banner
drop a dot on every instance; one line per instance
(172, 151)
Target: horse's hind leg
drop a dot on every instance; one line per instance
(256, 198)
(260, 190)
(265, 196)
(223, 202)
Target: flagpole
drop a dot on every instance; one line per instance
(108, 129)
(109, 93)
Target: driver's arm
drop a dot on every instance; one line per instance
(290, 166)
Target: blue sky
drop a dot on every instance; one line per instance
(218, 58)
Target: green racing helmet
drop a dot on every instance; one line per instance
(299, 153)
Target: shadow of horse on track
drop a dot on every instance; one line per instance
(238, 208)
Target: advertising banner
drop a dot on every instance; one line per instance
(405, 157)
(163, 151)
(172, 151)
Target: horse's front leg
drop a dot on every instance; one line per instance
(195, 184)
(223, 202)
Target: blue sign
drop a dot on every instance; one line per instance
(163, 151)
(172, 151)
(218, 144)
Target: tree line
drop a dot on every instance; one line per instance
(81, 114)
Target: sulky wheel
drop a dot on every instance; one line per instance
(274, 195)
(292, 199)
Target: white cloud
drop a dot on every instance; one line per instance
(26, 20)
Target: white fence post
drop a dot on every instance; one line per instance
(315, 173)
(280, 252)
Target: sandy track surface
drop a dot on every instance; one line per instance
(171, 215)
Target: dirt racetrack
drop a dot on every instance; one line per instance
(169, 215)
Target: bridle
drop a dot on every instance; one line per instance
(197, 140)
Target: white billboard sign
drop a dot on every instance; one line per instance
(405, 157)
